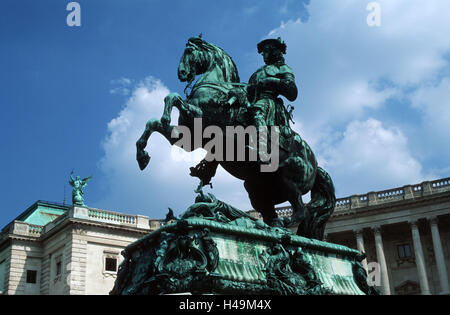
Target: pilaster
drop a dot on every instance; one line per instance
(76, 262)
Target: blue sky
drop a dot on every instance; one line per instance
(374, 101)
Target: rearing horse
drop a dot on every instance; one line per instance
(209, 100)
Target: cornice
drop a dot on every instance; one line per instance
(396, 205)
(76, 223)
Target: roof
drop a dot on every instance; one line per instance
(42, 212)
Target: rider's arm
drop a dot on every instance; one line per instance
(287, 86)
(284, 85)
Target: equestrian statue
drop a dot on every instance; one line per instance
(219, 99)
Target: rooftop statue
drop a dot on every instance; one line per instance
(77, 191)
(219, 99)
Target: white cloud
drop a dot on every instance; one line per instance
(250, 10)
(433, 101)
(122, 81)
(336, 55)
(368, 156)
(347, 72)
(122, 86)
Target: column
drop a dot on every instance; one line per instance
(385, 286)
(439, 254)
(360, 246)
(420, 260)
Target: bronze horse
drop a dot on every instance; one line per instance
(209, 99)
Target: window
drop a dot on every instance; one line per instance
(404, 251)
(110, 264)
(2, 275)
(31, 276)
(58, 268)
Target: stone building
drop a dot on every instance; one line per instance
(404, 231)
(57, 249)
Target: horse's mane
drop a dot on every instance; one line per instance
(219, 57)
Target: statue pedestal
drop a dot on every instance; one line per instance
(203, 255)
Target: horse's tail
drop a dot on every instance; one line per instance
(321, 206)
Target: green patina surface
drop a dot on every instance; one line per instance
(240, 258)
(78, 186)
(243, 260)
(241, 255)
(42, 213)
(214, 247)
(227, 252)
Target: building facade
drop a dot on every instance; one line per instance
(405, 232)
(57, 249)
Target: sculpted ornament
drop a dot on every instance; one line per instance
(178, 263)
(77, 191)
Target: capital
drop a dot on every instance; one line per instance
(376, 229)
(413, 223)
(433, 220)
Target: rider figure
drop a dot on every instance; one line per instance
(267, 83)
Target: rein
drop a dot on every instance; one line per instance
(218, 85)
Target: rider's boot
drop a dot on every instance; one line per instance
(258, 142)
(263, 155)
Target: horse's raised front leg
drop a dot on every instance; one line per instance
(153, 125)
(141, 155)
(171, 100)
(186, 109)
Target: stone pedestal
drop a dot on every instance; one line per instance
(234, 253)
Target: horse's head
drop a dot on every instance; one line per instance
(200, 57)
(191, 62)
